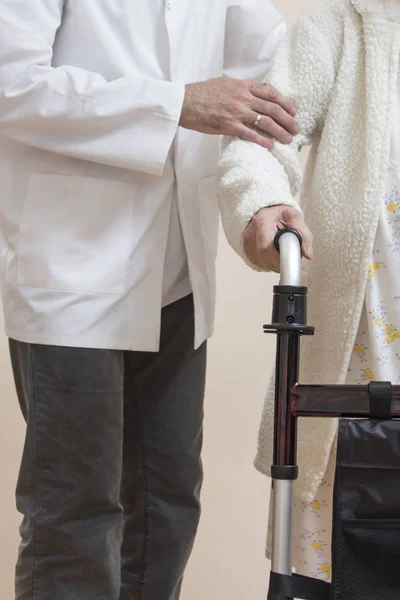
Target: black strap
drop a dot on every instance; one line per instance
(380, 400)
(297, 586)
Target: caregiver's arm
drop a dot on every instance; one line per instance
(128, 123)
(251, 178)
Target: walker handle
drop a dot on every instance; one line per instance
(288, 243)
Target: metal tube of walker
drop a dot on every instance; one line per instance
(289, 245)
(281, 557)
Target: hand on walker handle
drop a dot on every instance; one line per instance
(260, 234)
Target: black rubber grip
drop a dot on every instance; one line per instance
(281, 232)
(284, 473)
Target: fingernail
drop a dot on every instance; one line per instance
(309, 252)
(288, 139)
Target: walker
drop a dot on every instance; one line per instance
(366, 517)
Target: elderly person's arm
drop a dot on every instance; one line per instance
(257, 187)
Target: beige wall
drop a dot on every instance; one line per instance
(228, 559)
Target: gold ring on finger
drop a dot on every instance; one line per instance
(257, 121)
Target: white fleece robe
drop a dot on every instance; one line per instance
(375, 357)
(339, 64)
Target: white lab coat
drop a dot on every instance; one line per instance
(85, 131)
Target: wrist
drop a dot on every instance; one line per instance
(187, 106)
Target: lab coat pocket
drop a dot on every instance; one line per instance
(209, 219)
(76, 233)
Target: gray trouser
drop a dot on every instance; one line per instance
(111, 472)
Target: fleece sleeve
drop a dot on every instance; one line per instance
(251, 177)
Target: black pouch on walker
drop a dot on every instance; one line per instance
(366, 512)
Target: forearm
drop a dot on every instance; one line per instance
(250, 179)
(129, 122)
(67, 111)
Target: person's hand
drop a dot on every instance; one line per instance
(232, 107)
(259, 236)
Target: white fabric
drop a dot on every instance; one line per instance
(154, 35)
(87, 124)
(176, 281)
(340, 65)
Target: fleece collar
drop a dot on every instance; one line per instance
(388, 9)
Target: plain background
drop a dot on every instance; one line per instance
(228, 559)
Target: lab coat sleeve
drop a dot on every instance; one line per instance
(254, 29)
(129, 123)
(251, 177)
